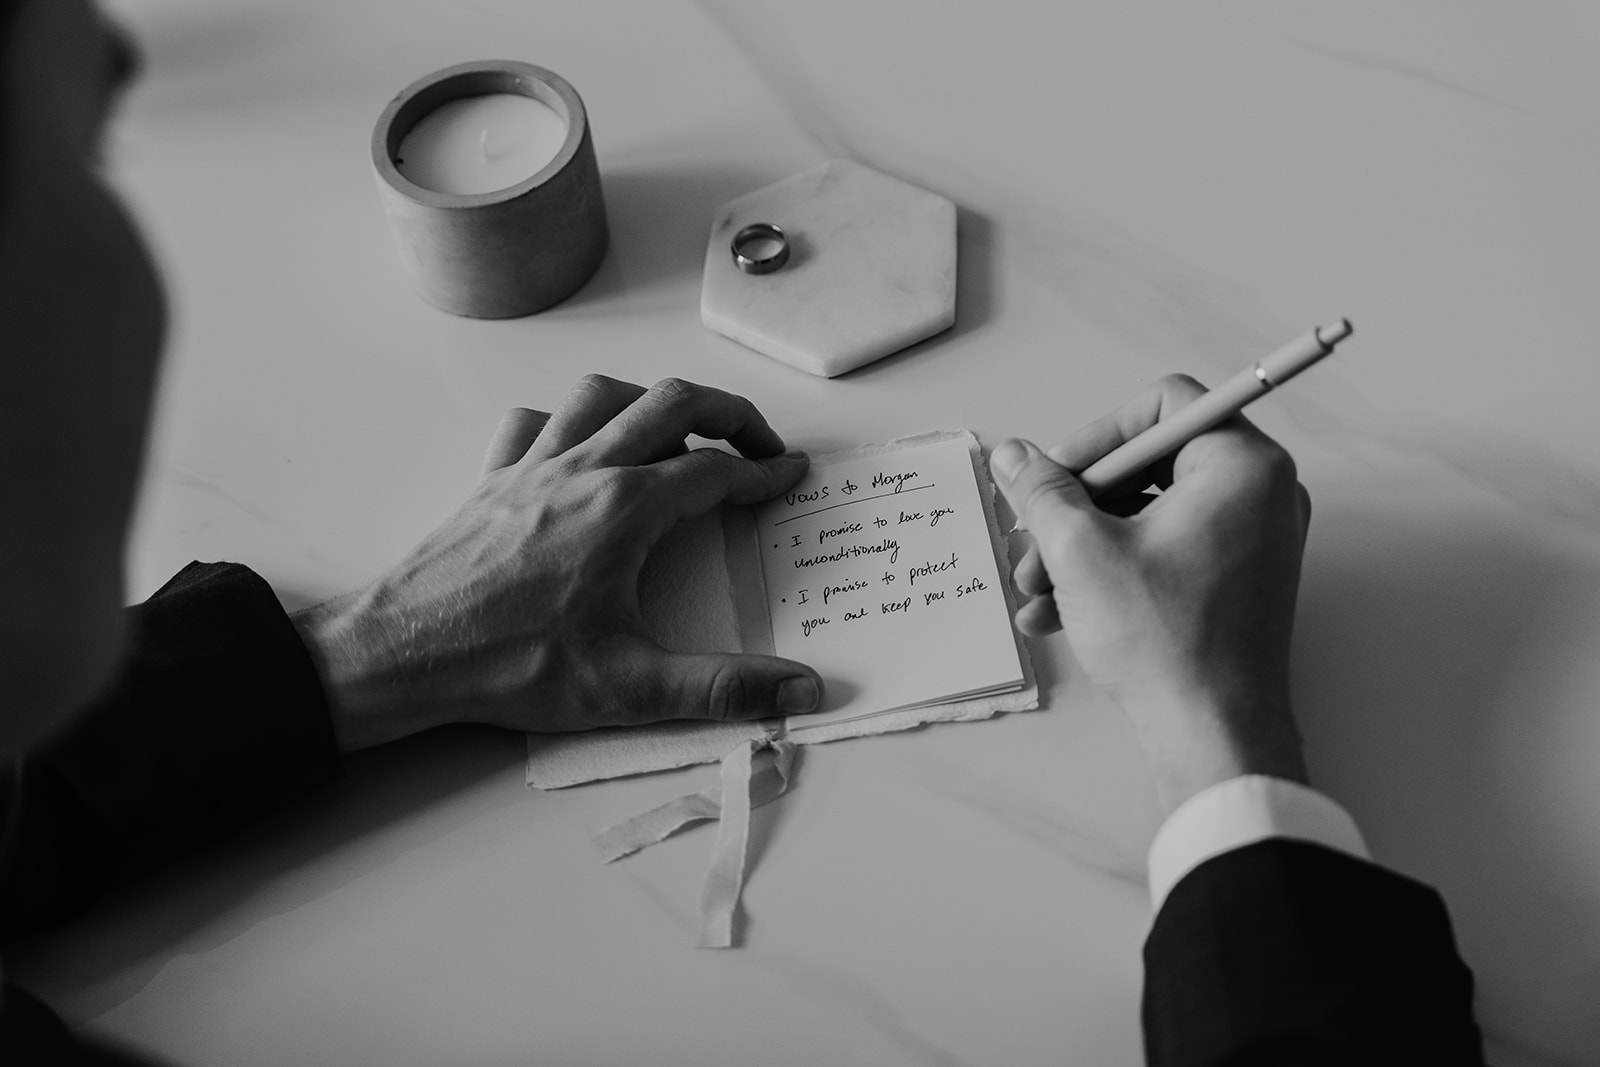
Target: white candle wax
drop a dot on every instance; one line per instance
(478, 144)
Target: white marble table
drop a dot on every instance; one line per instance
(1143, 188)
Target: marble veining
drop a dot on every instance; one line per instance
(1038, 821)
(1139, 189)
(1156, 301)
(836, 990)
(1410, 71)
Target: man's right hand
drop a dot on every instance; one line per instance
(1182, 611)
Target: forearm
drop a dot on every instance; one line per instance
(1275, 938)
(215, 717)
(1288, 952)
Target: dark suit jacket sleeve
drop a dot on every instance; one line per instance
(1286, 952)
(217, 715)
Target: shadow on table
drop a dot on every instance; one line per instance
(218, 58)
(1444, 688)
(114, 951)
(660, 220)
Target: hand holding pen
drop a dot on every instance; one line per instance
(1178, 428)
(1181, 613)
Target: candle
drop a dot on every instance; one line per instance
(488, 176)
(481, 143)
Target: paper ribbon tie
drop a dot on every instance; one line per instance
(740, 791)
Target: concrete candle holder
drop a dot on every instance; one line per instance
(508, 252)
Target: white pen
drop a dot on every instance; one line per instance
(1204, 412)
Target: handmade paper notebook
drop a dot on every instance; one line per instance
(880, 571)
(883, 569)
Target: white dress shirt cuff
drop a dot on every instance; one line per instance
(1239, 812)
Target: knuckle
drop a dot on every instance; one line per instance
(596, 383)
(1281, 462)
(1044, 487)
(715, 463)
(726, 699)
(571, 464)
(611, 688)
(1278, 470)
(616, 488)
(672, 390)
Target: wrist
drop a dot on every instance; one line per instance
(1193, 740)
(355, 659)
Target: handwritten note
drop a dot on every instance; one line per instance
(880, 573)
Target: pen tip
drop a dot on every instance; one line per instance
(1332, 335)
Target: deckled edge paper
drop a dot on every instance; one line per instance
(1023, 699)
(556, 761)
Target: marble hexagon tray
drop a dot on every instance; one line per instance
(872, 269)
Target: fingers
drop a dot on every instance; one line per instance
(1235, 443)
(591, 404)
(1105, 434)
(517, 431)
(1029, 575)
(698, 481)
(655, 424)
(1039, 616)
(619, 423)
(1041, 493)
(726, 686)
(1049, 500)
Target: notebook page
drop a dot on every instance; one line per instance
(880, 573)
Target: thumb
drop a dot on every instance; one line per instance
(1040, 491)
(726, 686)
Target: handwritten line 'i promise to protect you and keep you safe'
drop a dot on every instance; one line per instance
(858, 500)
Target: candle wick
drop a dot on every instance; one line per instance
(483, 143)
